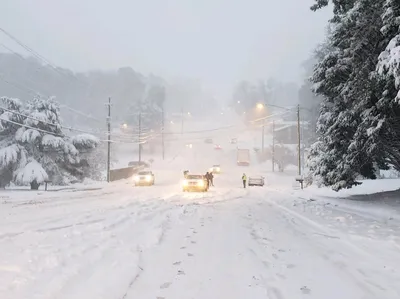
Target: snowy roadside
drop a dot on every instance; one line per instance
(366, 220)
(375, 199)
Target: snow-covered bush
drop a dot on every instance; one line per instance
(284, 156)
(33, 174)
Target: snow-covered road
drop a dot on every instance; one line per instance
(125, 242)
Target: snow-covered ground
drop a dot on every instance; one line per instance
(119, 241)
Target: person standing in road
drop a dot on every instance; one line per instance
(208, 178)
(244, 179)
(211, 179)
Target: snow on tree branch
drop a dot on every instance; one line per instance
(85, 141)
(33, 171)
(9, 155)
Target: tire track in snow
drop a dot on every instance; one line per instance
(343, 261)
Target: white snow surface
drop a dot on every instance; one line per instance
(117, 241)
(32, 171)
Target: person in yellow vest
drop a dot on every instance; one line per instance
(244, 179)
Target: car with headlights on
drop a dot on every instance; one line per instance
(216, 169)
(144, 178)
(195, 182)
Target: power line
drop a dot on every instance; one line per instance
(36, 54)
(43, 59)
(29, 127)
(45, 122)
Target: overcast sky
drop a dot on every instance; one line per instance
(217, 41)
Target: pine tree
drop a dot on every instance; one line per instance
(343, 78)
(34, 147)
(10, 153)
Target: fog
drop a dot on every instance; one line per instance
(213, 44)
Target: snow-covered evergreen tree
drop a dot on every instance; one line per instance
(10, 152)
(34, 148)
(352, 111)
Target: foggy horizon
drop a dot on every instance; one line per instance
(217, 42)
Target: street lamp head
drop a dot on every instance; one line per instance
(124, 126)
(260, 106)
(238, 102)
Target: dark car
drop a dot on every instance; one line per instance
(138, 164)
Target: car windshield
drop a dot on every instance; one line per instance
(195, 177)
(144, 172)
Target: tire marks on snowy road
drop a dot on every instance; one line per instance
(310, 241)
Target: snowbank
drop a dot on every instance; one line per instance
(376, 199)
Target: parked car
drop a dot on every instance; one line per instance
(208, 140)
(144, 178)
(215, 169)
(256, 181)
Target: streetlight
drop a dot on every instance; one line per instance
(238, 102)
(260, 106)
(188, 113)
(124, 126)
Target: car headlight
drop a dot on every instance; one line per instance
(185, 183)
(136, 178)
(218, 169)
(148, 178)
(201, 183)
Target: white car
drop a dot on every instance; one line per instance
(215, 169)
(256, 181)
(144, 178)
(195, 182)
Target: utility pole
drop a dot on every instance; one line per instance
(273, 146)
(182, 121)
(109, 139)
(298, 139)
(262, 137)
(162, 132)
(140, 136)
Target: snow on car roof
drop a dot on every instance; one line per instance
(145, 172)
(194, 176)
